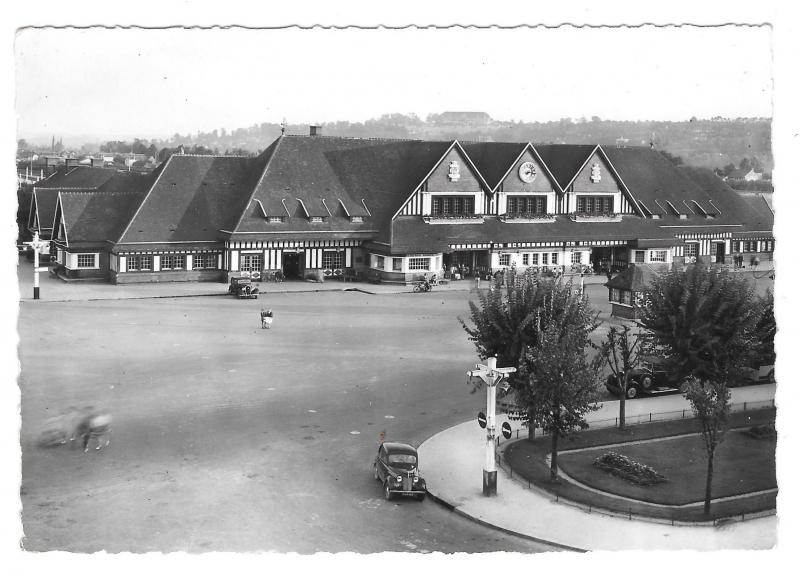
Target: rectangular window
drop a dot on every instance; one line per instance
(595, 205)
(378, 262)
(576, 257)
(452, 206)
(397, 264)
(527, 205)
(419, 263)
(534, 259)
(140, 263)
(767, 246)
(204, 261)
(736, 246)
(332, 259)
(691, 249)
(275, 219)
(615, 295)
(638, 257)
(554, 258)
(250, 262)
(525, 258)
(315, 219)
(544, 258)
(505, 259)
(86, 261)
(173, 261)
(658, 256)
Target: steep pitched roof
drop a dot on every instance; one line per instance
(80, 177)
(370, 177)
(564, 161)
(493, 159)
(43, 209)
(193, 198)
(93, 217)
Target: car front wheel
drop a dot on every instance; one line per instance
(631, 392)
(386, 493)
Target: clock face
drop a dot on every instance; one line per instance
(527, 172)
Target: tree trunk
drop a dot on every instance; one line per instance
(709, 477)
(623, 396)
(554, 455)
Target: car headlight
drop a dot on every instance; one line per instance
(399, 479)
(416, 479)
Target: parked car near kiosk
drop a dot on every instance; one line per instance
(396, 467)
(650, 378)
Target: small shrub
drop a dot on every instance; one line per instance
(628, 469)
(761, 432)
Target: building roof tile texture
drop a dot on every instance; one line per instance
(194, 198)
(95, 217)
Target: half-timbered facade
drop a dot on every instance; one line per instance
(315, 206)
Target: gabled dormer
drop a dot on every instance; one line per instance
(596, 192)
(527, 192)
(453, 191)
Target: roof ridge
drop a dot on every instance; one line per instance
(362, 138)
(215, 156)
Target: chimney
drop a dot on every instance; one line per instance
(315, 130)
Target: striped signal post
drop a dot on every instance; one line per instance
(492, 376)
(37, 245)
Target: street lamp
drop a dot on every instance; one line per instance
(492, 376)
(37, 245)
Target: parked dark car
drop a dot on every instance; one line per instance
(243, 288)
(397, 468)
(650, 378)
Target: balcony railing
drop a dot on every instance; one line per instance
(528, 218)
(453, 219)
(596, 217)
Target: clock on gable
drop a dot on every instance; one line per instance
(527, 172)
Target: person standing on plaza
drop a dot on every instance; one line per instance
(266, 318)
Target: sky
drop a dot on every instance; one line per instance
(124, 83)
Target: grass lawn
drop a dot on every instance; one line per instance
(743, 464)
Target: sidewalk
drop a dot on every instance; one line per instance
(452, 462)
(55, 289)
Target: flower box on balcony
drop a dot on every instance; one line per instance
(596, 217)
(453, 219)
(528, 218)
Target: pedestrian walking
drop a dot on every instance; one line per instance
(266, 318)
(477, 279)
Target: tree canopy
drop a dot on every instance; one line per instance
(704, 322)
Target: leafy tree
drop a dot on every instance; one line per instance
(728, 169)
(560, 383)
(745, 164)
(621, 352)
(711, 405)
(503, 321)
(703, 322)
(707, 324)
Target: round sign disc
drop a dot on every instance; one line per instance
(481, 419)
(506, 429)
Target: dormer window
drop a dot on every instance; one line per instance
(315, 219)
(451, 205)
(356, 219)
(595, 205)
(276, 219)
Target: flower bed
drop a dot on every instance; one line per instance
(761, 432)
(628, 469)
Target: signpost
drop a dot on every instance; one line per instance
(37, 245)
(492, 376)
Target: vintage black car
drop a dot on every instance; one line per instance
(650, 378)
(396, 467)
(243, 288)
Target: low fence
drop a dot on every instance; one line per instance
(522, 432)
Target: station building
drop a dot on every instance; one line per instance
(318, 206)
